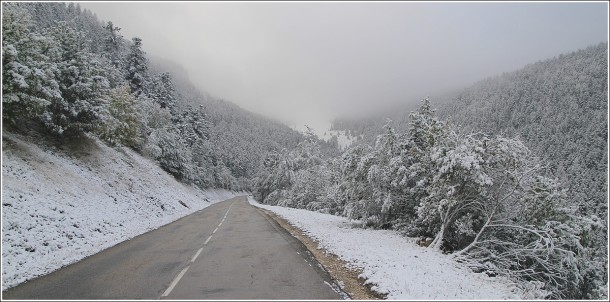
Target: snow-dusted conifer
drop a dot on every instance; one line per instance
(83, 84)
(162, 90)
(28, 70)
(113, 44)
(137, 67)
(193, 125)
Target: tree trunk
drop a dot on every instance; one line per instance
(476, 238)
(438, 240)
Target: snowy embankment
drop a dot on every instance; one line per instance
(59, 208)
(393, 264)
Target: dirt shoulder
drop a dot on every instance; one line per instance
(337, 268)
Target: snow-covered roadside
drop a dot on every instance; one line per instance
(59, 208)
(395, 264)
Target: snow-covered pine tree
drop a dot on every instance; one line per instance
(136, 67)
(82, 80)
(193, 125)
(311, 178)
(425, 132)
(162, 90)
(275, 177)
(28, 70)
(387, 178)
(167, 147)
(354, 192)
(113, 43)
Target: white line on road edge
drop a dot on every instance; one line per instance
(171, 287)
(207, 240)
(197, 255)
(216, 229)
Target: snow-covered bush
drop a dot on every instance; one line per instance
(277, 174)
(300, 178)
(485, 198)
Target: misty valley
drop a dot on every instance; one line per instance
(495, 190)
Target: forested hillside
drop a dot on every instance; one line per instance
(559, 108)
(510, 178)
(241, 137)
(67, 73)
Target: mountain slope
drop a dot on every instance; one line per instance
(61, 203)
(237, 139)
(558, 107)
(242, 138)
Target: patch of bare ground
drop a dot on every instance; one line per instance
(337, 268)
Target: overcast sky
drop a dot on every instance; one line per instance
(308, 62)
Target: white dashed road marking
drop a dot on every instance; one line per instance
(177, 279)
(196, 255)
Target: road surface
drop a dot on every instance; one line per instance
(229, 250)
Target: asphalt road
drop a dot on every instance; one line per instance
(229, 250)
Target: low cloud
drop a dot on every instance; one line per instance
(310, 62)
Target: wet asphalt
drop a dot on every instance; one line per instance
(228, 251)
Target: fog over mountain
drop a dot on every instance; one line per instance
(487, 191)
(306, 63)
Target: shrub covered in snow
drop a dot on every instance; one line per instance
(486, 198)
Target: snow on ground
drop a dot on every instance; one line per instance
(59, 208)
(322, 128)
(394, 264)
(343, 138)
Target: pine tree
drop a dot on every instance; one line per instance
(193, 125)
(113, 44)
(28, 71)
(355, 193)
(425, 132)
(137, 67)
(83, 84)
(275, 178)
(162, 90)
(166, 146)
